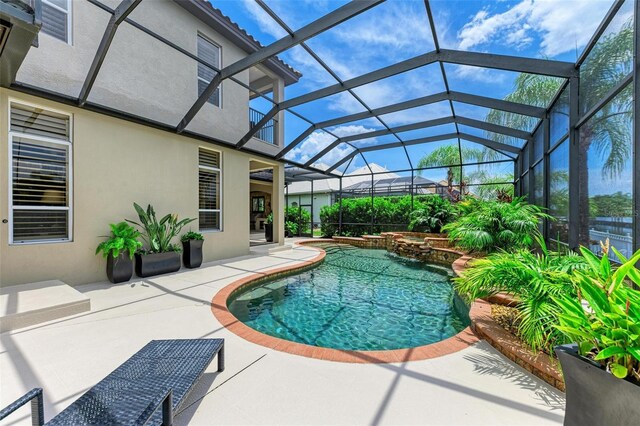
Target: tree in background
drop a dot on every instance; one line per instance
(608, 132)
(450, 157)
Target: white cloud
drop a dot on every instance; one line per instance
(267, 24)
(392, 25)
(481, 75)
(561, 25)
(319, 140)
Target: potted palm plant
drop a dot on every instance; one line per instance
(161, 255)
(602, 368)
(119, 249)
(268, 228)
(192, 249)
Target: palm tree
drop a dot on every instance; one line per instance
(449, 156)
(608, 132)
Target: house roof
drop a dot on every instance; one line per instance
(333, 185)
(390, 183)
(213, 17)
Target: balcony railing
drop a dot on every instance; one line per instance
(265, 134)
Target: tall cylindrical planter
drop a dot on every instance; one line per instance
(268, 232)
(120, 268)
(148, 265)
(594, 396)
(192, 253)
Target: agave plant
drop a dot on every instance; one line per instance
(607, 329)
(535, 279)
(487, 226)
(158, 234)
(123, 239)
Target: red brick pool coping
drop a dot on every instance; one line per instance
(219, 308)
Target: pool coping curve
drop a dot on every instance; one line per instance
(456, 343)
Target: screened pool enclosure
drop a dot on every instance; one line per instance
(562, 133)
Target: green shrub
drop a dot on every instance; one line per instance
(535, 279)
(433, 215)
(297, 220)
(608, 328)
(389, 214)
(191, 235)
(487, 226)
(123, 238)
(158, 234)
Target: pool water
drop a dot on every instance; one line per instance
(357, 299)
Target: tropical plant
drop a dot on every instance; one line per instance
(123, 239)
(607, 329)
(191, 235)
(158, 234)
(608, 131)
(297, 219)
(487, 226)
(386, 213)
(269, 219)
(535, 279)
(434, 213)
(451, 156)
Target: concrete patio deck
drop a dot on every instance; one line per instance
(476, 386)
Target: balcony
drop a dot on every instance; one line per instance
(265, 134)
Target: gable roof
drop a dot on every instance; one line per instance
(333, 185)
(214, 18)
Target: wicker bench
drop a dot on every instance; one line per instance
(161, 373)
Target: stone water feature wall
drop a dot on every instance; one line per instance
(418, 245)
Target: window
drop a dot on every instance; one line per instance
(40, 190)
(210, 53)
(209, 179)
(257, 204)
(56, 19)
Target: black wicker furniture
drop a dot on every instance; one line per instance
(161, 373)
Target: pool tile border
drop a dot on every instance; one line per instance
(219, 309)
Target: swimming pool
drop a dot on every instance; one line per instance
(357, 299)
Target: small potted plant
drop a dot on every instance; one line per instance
(602, 368)
(119, 249)
(268, 228)
(192, 249)
(161, 255)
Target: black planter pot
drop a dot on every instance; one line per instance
(119, 269)
(192, 253)
(268, 232)
(594, 396)
(148, 265)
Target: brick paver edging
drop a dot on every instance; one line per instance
(219, 308)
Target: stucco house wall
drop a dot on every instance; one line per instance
(116, 163)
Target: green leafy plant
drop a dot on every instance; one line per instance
(158, 234)
(191, 235)
(297, 219)
(269, 219)
(123, 239)
(607, 329)
(487, 226)
(433, 215)
(534, 279)
(389, 214)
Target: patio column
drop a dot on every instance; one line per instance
(277, 204)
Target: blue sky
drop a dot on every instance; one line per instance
(398, 30)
